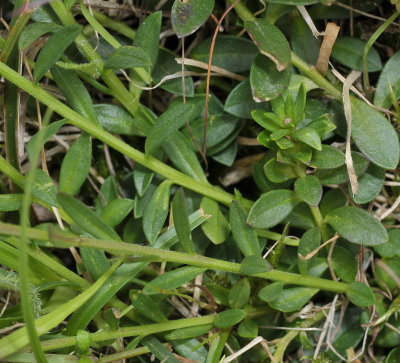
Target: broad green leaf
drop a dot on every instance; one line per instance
(188, 16)
(230, 52)
(187, 333)
(244, 235)
(10, 202)
(369, 184)
(392, 246)
(302, 40)
(240, 102)
(248, 329)
(128, 57)
(348, 51)
(382, 147)
(156, 211)
(331, 200)
(309, 242)
(254, 264)
(266, 81)
(357, 226)
(271, 292)
(142, 178)
(360, 294)
(228, 155)
(323, 124)
(239, 294)
(344, 264)
(229, 318)
(279, 172)
(327, 158)
(115, 211)
(270, 41)
(44, 188)
(85, 218)
(271, 208)
(293, 299)
(309, 189)
(393, 356)
(389, 74)
(76, 164)
(165, 126)
(309, 136)
(75, 92)
(181, 221)
(173, 279)
(53, 50)
(34, 31)
(216, 228)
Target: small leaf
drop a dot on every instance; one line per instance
(239, 294)
(53, 49)
(392, 246)
(248, 329)
(271, 208)
(187, 333)
(309, 189)
(156, 211)
(229, 318)
(116, 211)
(293, 299)
(181, 221)
(327, 158)
(344, 264)
(142, 304)
(10, 202)
(270, 41)
(216, 228)
(279, 172)
(44, 188)
(266, 81)
(142, 178)
(34, 31)
(254, 264)
(323, 124)
(357, 226)
(189, 15)
(76, 165)
(309, 242)
(244, 235)
(309, 136)
(166, 125)
(271, 292)
(128, 57)
(360, 294)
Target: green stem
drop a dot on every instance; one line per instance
(319, 220)
(63, 240)
(114, 25)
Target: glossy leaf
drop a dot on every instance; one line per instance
(309, 242)
(254, 264)
(244, 235)
(166, 125)
(156, 211)
(116, 211)
(271, 208)
(76, 164)
(323, 124)
(327, 158)
(266, 81)
(293, 299)
(216, 228)
(229, 318)
(181, 221)
(271, 292)
(360, 294)
(128, 57)
(188, 16)
(34, 31)
(239, 294)
(309, 136)
(309, 189)
(53, 50)
(357, 226)
(344, 264)
(270, 41)
(369, 184)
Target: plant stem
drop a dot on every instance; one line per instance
(319, 220)
(114, 25)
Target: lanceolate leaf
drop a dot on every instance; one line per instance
(44, 188)
(10, 202)
(115, 211)
(34, 31)
(216, 228)
(128, 57)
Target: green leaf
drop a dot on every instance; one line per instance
(309, 242)
(239, 295)
(293, 299)
(181, 221)
(344, 264)
(389, 74)
(158, 349)
(248, 329)
(348, 51)
(216, 228)
(331, 200)
(271, 208)
(95, 261)
(382, 147)
(76, 165)
(271, 292)
(116, 211)
(369, 184)
(187, 333)
(142, 178)
(166, 125)
(230, 52)
(53, 50)
(309, 136)
(34, 31)
(388, 272)
(188, 16)
(142, 304)
(128, 57)
(254, 264)
(357, 226)
(327, 158)
(244, 235)
(85, 218)
(302, 40)
(156, 211)
(10, 202)
(173, 279)
(393, 356)
(44, 188)
(270, 41)
(279, 172)
(392, 246)
(360, 294)
(266, 81)
(229, 318)
(309, 189)
(323, 124)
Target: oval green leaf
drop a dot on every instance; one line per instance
(309, 189)
(293, 299)
(271, 292)
(360, 294)
(229, 318)
(216, 228)
(115, 211)
(239, 294)
(128, 57)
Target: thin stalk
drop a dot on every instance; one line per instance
(114, 25)
(319, 220)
